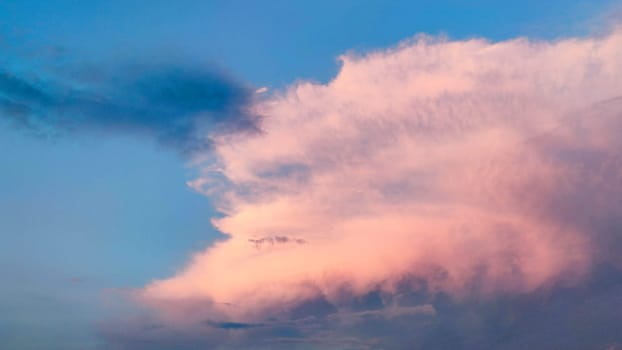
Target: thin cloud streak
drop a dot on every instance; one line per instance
(177, 105)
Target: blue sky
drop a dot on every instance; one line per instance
(83, 214)
(275, 42)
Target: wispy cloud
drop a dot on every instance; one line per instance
(177, 105)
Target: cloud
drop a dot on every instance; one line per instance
(233, 325)
(576, 317)
(450, 194)
(177, 105)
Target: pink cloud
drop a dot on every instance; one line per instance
(468, 166)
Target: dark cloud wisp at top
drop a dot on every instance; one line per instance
(176, 105)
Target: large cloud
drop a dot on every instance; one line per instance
(466, 169)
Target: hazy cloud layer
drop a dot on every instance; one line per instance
(449, 194)
(580, 317)
(178, 105)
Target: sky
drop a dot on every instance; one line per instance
(310, 174)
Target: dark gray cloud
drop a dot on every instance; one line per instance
(270, 241)
(173, 104)
(233, 325)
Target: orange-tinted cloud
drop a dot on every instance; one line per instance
(467, 167)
